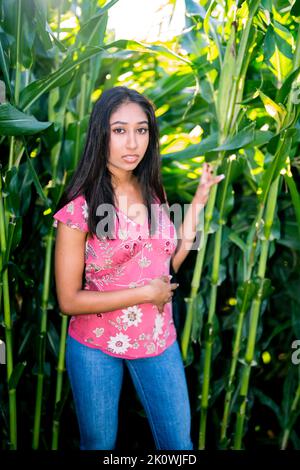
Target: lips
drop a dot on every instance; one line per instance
(130, 158)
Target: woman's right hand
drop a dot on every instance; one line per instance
(161, 291)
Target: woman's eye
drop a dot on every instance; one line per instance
(143, 130)
(120, 130)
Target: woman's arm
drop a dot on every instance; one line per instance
(187, 233)
(73, 300)
(187, 230)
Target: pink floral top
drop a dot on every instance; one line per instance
(130, 260)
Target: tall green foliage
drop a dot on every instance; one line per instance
(226, 91)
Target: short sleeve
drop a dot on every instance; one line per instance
(74, 214)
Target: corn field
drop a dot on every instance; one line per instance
(226, 91)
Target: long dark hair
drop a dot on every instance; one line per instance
(92, 178)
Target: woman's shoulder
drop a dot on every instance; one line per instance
(74, 213)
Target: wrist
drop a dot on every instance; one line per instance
(146, 294)
(201, 196)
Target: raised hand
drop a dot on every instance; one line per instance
(207, 180)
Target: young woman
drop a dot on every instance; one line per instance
(114, 246)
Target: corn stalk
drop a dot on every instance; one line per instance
(197, 274)
(229, 94)
(8, 326)
(249, 360)
(4, 221)
(209, 330)
(55, 152)
(87, 81)
(293, 417)
(282, 152)
(231, 86)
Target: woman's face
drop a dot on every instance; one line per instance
(129, 138)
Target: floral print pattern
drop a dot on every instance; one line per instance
(132, 316)
(119, 344)
(131, 260)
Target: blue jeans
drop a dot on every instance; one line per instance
(96, 381)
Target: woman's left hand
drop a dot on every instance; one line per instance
(206, 181)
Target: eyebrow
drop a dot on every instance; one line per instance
(123, 122)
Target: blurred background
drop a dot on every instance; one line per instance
(224, 79)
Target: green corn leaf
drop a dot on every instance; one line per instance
(16, 375)
(198, 313)
(41, 21)
(267, 288)
(295, 196)
(242, 138)
(14, 122)
(260, 138)
(137, 46)
(276, 331)
(92, 32)
(295, 10)
(27, 339)
(269, 215)
(64, 74)
(287, 86)
(253, 6)
(269, 402)
(53, 339)
(37, 183)
(4, 67)
(283, 39)
(58, 43)
(170, 85)
(226, 79)
(277, 50)
(245, 294)
(207, 145)
(59, 406)
(276, 111)
(275, 166)
(208, 16)
(24, 31)
(194, 9)
(289, 387)
(274, 39)
(17, 273)
(237, 241)
(13, 239)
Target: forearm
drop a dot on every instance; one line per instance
(88, 302)
(187, 232)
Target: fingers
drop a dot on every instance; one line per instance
(165, 277)
(208, 169)
(174, 286)
(213, 181)
(161, 307)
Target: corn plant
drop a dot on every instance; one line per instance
(227, 108)
(225, 91)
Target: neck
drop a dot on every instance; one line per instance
(123, 180)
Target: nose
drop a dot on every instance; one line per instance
(131, 142)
